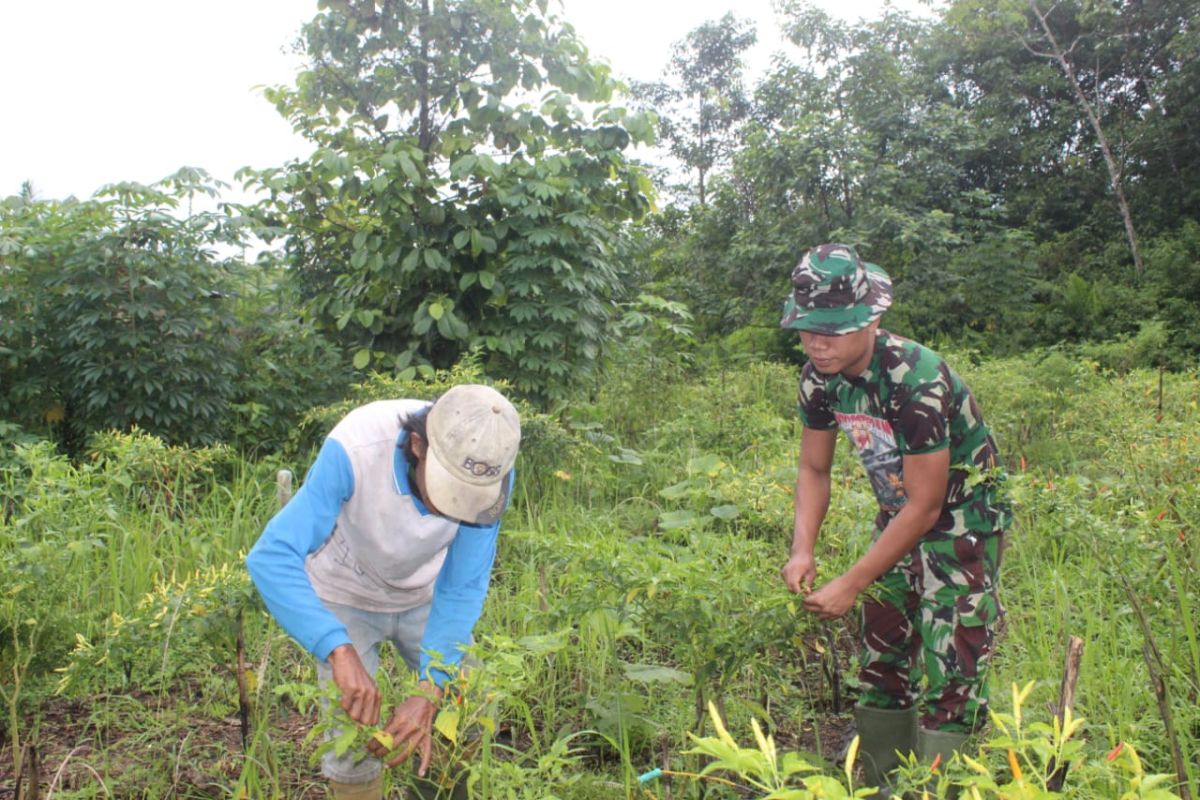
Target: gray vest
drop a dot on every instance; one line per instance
(383, 554)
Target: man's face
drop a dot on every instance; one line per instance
(848, 353)
(421, 451)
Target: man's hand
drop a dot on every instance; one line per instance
(833, 599)
(798, 573)
(360, 695)
(411, 728)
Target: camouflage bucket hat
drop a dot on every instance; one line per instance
(835, 292)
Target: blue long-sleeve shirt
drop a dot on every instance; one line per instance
(371, 543)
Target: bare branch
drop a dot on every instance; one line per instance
(1058, 55)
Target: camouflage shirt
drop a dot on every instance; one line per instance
(908, 402)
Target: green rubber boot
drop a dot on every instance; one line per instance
(932, 744)
(425, 789)
(882, 734)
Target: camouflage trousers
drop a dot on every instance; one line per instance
(928, 626)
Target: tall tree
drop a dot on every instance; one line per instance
(701, 108)
(460, 196)
(1078, 100)
(1061, 56)
(851, 141)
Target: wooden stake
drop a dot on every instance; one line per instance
(243, 689)
(283, 484)
(1158, 417)
(1066, 702)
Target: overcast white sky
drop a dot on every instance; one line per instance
(97, 92)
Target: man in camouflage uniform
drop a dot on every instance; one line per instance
(928, 580)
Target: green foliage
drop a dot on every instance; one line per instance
(180, 630)
(112, 313)
(1019, 759)
(1033, 754)
(35, 615)
(442, 211)
(605, 634)
(143, 469)
(39, 547)
(701, 108)
(85, 545)
(286, 366)
(766, 771)
(955, 152)
(1173, 272)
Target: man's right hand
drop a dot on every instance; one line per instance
(360, 695)
(799, 572)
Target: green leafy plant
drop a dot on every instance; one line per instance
(184, 627)
(115, 311)
(768, 773)
(1032, 756)
(704, 471)
(443, 211)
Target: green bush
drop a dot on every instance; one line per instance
(113, 313)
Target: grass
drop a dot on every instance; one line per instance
(636, 583)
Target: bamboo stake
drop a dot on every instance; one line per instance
(1066, 702)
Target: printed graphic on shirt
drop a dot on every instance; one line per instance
(876, 444)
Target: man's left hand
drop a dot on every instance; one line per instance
(411, 728)
(833, 599)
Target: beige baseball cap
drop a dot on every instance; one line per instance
(474, 434)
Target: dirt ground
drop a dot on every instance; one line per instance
(72, 754)
(72, 751)
(165, 747)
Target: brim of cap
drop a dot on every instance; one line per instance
(836, 321)
(468, 502)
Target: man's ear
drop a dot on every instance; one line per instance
(419, 444)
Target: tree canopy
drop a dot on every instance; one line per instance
(467, 189)
(1026, 172)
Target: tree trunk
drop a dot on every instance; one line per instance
(1114, 170)
(423, 133)
(701, 167)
